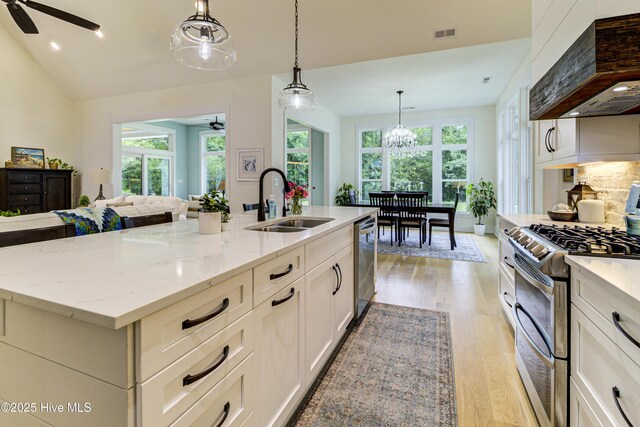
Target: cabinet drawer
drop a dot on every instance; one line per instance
(229, 403)
(507, 295)
(24, 189)
(23, 177)
(581, 414)
(597, 366)
(24, 210)
(167, 395)
(320, 249)
(599, 301)
(25, 199)
(272, 276)
(29, 378)
(163, 337)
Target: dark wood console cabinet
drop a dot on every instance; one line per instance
(35, 190)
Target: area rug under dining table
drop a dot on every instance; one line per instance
(440, 248)
(394, 369)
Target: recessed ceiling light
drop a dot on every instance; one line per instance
(55, 46)
(620, 89)
(574, 113)
(100, 34)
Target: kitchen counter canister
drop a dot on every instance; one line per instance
(114, 279)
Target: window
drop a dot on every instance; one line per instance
(298, 152)
(147, 161)
(213, 146)
(439, 164)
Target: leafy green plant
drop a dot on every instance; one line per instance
(481, 198)
(84, 201)
(61, 164)
(9, 213)
(342, 196)
(215, 201)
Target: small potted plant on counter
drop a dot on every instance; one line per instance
(481, 198)
(54, 163)
(342, 196)
(210, 216)
(223, 203)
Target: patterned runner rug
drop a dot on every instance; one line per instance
(440, 248)
(394, 369)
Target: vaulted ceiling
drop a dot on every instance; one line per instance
(134, 55)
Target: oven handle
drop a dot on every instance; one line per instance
(518, 263)
(549, 361)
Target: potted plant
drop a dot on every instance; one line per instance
(342, 196)
(297, 193)
(210, 216)
(480, 199)
(54, 163)
(9, 213)
(84, 201)
(223, 203)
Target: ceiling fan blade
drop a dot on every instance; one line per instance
(22, 19)
(61, 14)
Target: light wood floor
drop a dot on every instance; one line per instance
(488, 389)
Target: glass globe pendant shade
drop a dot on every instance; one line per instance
(202, 42)
(296, 96)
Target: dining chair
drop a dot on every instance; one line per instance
(444, 222)
(145, 220)
(246, 207)
(20, 237)
(387, 216)
(352, 197)
(411, 214)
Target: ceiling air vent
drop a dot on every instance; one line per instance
(445, 33)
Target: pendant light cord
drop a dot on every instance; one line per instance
(400, 107)
(296, 44)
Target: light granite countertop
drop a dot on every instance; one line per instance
(621, 273)
(114, 279)
(525, 220)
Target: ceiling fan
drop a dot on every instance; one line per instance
(28, 27)
(216, 125)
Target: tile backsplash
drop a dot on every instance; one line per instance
(612, 181)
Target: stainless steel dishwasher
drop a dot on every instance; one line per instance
(365, 258)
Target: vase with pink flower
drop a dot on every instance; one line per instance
(296, 195)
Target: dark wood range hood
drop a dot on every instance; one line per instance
(605, 56)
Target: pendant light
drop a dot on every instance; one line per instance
(399, 138)
(296, 96)
(202, 42)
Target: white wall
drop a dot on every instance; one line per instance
(484, 158)
(247, 103)
(34, 112)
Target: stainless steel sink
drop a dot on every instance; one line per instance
(278, 229)
(304, 222)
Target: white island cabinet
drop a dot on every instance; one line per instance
(174, 328)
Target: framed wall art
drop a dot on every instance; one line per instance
(28, 158)
(250, 163)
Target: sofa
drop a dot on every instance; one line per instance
(130, 206)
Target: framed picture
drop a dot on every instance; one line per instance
(250, 164)
(31, 158)
(567, 175)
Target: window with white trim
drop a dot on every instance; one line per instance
(213, 154)
(438, 164)
(148, 161)
(298, 152)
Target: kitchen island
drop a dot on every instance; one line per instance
(163, 326)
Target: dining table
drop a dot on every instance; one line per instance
(434, 208)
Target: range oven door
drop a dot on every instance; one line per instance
(540, 342)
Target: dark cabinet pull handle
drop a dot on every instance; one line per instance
(190, 379)
(338, 278)
(285, 299)
(506, 261)
(225, 414)
(553, 150)
(616, 321)
(546, 140)
(504, 297)
(339, 271)
(195, 322)
(279, 275)
(616, 396)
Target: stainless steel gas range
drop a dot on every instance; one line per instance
(541, 307)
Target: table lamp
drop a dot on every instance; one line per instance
(101, 176)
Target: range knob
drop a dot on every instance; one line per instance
(532, 246)
(524, 239)
(542, 253)
(513, 231)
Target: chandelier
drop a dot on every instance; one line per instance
(296, 96)
(202, 42)
(399, 138)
